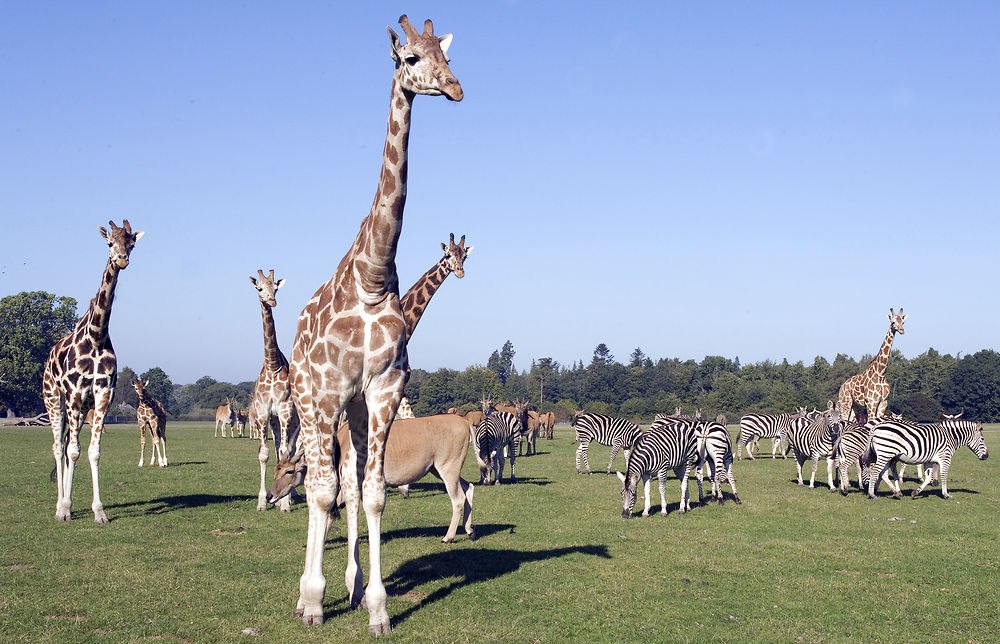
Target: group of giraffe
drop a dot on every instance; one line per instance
(349, 354)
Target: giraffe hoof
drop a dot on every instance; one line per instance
(100, 518)
(472, 535)
(379, 628)
(312, 620)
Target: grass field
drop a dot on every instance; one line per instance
(186, 557)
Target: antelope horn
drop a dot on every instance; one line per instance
(428, 28)
(408, 28)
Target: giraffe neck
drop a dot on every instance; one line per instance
(375, 246)
(415, 302)
(879, 362)
(273, 359)
(95, 321)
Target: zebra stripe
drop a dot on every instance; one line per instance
(914, 443)
(494, 436)
(716, 450)
(616, 433)
(812, 439)
(666, 446)
(849, 449)
(754, 427)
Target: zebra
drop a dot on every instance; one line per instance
(754, 427)
(811, 439)
(929, 444)
(849, 449)
(679, 415)
(715, 449)
(666, 446)
(617, 433)
(494, 436)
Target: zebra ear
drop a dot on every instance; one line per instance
(621, 477)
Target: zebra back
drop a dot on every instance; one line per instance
(814, 437)
(666, 445)
(763, 426)
(497, 428)
(606, 430)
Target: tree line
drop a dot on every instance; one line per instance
(638, 388)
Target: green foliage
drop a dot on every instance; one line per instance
(124, 391)
(31, 322)
(159, 387)
(975, 386)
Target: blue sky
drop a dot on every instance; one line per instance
(762, 180)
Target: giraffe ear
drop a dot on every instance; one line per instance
(138, 235)
(393, 43)
(468, 250)
(104, 232)
(445, 42)
(444, 247)
(145, 383)
(253, 280)
(279, 283)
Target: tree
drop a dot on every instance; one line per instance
(124, 391)
(602, 355)
(159, 386)
(975, 387)
(502, 361)
(637, 359)
(31, 322)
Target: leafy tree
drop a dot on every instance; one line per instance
(159, 386)
(602, 355)
(975, 386)
(31, 323)
(124, 391)
(502, 362)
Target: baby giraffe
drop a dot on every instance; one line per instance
(151, 415)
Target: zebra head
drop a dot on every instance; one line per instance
(968, 432)
(630, 486)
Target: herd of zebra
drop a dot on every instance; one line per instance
(684, 444)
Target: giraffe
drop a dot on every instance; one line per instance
(350, 347)
(225, 417)
(869, 390)
(80, 374)
(405, 411)
(151, 415)
(415, 301)
(272, 394)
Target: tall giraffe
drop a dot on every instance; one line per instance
(869, 390)
(350, 347)
(151, 415)
(272, 394)
(80, 374)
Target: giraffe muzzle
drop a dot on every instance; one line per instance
(452, 90)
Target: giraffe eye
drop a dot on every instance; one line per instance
(412, 59)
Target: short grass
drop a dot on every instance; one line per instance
(186, 557)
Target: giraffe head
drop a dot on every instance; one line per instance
(140, 388)
(120, 242)
(896, 321)
(422, 62)
(267, 286)
(455, 255)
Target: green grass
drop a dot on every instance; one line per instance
(186, 557)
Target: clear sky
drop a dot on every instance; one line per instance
(761, 180)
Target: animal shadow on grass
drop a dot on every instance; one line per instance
(180, 502)
(183, 463)
(463, 567)
(428, 532)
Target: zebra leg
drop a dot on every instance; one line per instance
(875, 474)
(513, 452)
(645, 491)
(682, 475)
(732, 483)
(799, 460)
(662, 478)
(614, 453)
(812, 476)
(829, 473)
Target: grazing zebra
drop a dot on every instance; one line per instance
(812, 439)
(754, 427)
(617, 433)
(929, 444)
(716, 450)
(679, 415)
(494, 436)
(666, 446)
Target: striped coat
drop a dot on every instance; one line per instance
(495, 436)
(666, 446)
(617, 433)
(929, 444)
(814, 439)
(754, 427)
(716, 451)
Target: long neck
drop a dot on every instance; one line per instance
(375, 246)
(415, 302)
(273, 358)
(880, 361)
(99, 314)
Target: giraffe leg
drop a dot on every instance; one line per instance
(155, 452)
(57, 418)
(162, 427)
(142, 443)
(263, 453)
(73, 421)
(351, 475)
(101, 401)
(321, 494)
